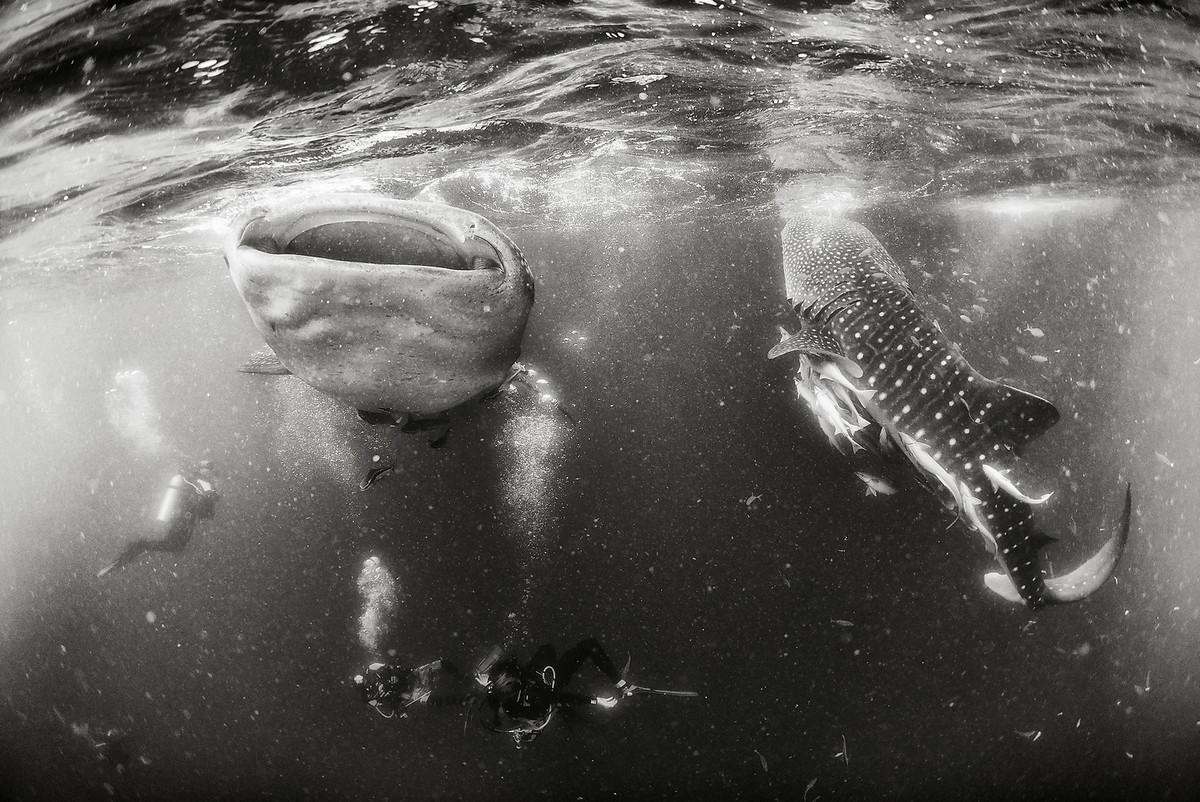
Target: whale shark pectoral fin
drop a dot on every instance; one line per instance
(1013, 415)
(264, 362)
(807, 341)
(815, 341)
(1089, 577)
(1003, 587)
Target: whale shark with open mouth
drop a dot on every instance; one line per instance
(877, 371)
(407, 310)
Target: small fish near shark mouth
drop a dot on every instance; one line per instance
(878, 374)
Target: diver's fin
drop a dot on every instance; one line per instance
(486, 663)
(265, 362)
(634, 690)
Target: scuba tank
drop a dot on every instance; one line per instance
(172, 500)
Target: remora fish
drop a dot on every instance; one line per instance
(867, 350)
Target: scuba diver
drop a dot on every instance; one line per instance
(188, 500)
(522, 700)
(519, 700)
(392, 689)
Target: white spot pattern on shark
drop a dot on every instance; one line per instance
(958, 428)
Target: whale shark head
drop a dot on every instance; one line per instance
(824, 260)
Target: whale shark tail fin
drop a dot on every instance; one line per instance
(1084, 580)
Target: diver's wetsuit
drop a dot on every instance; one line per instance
(521, 700)
(195, 500)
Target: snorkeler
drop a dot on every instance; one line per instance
(187, 501)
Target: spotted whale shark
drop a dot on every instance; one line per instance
(879, 374)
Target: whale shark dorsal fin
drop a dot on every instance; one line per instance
(1013, 415)
(265, 362)
(816, 341)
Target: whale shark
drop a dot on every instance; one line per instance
(879, 375)
(406, 310)
(396, 307)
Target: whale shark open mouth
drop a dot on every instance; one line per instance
(374, 231)
(394, 306)
(379, 243)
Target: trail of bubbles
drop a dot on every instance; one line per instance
(132, 413)
(380, 597)
(531, 473)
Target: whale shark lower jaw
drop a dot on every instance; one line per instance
(876, 371)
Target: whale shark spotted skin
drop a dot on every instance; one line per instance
(868, 352)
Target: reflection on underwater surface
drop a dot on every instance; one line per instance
(1030, 170)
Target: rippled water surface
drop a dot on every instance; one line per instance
(1030, 166)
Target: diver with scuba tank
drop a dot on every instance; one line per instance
(516, 699)
(190, 498)
(521, 699)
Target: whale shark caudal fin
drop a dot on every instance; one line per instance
(265, 362)
(1084, 580)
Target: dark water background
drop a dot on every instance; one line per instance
(1030, 165)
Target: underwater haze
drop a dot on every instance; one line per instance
(1032, 169)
